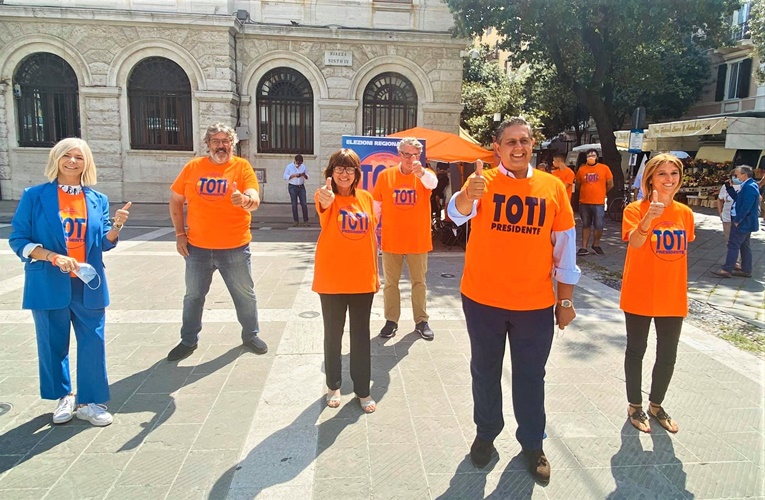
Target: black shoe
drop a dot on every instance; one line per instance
(256, 344)
(480, 452)
(181, 351)
(424, 330)
(598, 250)
(389, 330)
(582, 252)
(539, 467)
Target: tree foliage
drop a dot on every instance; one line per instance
(554, 104)
(486, 90)
(757, 31)
(612, 54)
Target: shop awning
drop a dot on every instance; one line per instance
(740, 133)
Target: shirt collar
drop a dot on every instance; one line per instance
(504, 171)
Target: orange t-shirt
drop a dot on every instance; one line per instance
(566, 175)
(346, 252)
(214, 223)
(655, 279)
(592, 183)
(74, 218)
(405, 212)
(509, 256)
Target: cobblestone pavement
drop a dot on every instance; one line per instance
(226, 423)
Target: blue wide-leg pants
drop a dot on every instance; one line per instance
(52, 328)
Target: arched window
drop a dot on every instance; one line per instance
(390, 105)
(159, 95)
(47, 107)
(285, 112)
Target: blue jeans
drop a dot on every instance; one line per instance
(234, 267)
(530, 334)
(592, 215)
(298, 193)
(738, 241)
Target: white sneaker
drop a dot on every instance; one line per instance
(64, 410)
(95, 414)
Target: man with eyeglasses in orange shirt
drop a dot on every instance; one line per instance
(220, 190)
(402, 196)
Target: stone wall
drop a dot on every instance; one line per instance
(224, 61)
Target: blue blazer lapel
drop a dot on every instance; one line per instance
(49, 199)
(93, 231)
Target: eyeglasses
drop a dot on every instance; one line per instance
(409, 155)
(347, 170)
(219, 142)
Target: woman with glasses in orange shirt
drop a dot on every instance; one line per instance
(654, 286)
(345, 274)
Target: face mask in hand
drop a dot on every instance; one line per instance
(88, 275)
(736, 181)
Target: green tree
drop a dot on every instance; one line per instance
(757, 31)
(486, 90)
(612, 54)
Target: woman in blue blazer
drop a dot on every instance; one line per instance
(54, 224)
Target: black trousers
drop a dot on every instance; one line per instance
(333, 309)
(667, 337)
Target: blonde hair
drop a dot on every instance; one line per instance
(62, 147)
(651, 167)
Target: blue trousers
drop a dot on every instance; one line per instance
(234, 267)
(52, 328)
(298, 193)
(530, 334)
(738, 241)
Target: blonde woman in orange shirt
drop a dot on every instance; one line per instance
(655, 284)
(345, 274)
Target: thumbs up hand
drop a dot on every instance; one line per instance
(417, 169)
(656, 208)
(236, 196)
(476, 183)
(121, 215)
(325, 194)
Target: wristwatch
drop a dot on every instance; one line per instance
(567, 303)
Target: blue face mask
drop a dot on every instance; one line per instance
(88, 275)
(736, 181)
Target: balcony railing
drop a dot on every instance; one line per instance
(740, 32)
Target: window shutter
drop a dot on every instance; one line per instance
(722, 71)
(744, 76)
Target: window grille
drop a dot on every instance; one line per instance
(285, 112)
(390, 105)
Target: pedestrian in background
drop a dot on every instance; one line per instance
(296, 174)
(60, 230)
(744, 215)
(345, 275)
(562, 172)
(725, 202)
(655, 285)
(593, 181)
(218, 236)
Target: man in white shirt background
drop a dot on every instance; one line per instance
(296, 174)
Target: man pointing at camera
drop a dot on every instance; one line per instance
(221, 190)
(522, 238)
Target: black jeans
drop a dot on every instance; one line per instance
(333, 308)
(667, 337)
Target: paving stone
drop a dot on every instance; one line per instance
(716, 480)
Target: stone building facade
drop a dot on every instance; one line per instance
(227, 51)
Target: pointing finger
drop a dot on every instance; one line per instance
(127, 205)
(479, 168)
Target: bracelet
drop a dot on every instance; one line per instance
(641, 232)
(48, 255)
(178, 235)
(117, 226)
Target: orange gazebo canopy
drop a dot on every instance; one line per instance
(443, 146)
